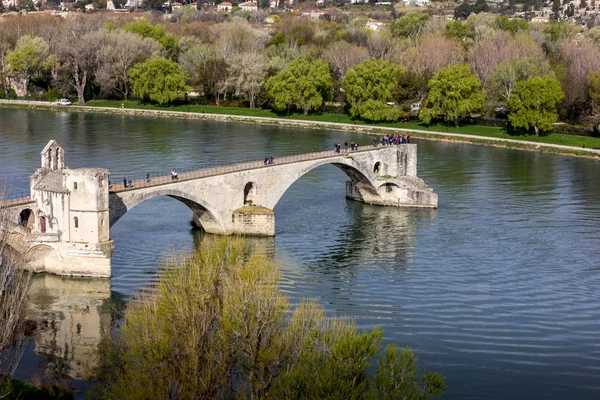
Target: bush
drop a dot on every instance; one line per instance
(217, 326)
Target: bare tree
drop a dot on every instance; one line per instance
(247, 74)
(14, 283)
(238, 36)
(430, 53)
(121, 51)
(343, 55)
(78, 52)
(581, 58)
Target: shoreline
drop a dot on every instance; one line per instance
(307, 124)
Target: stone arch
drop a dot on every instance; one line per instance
(387, 188)
(42, 257)
(250, 193)
(361, 177)
(27, 218)
(204, 216)
(377, 168)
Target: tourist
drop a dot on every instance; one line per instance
(130, 183)
(408, 139)
(266, 160)
(271, 160)
(345, 146)
(124, 182)
(174, 174)
(148, 177)
(375, 142)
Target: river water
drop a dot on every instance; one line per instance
(498, 288)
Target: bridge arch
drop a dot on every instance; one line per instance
(43, 257)
(27, 218)
(358, 173)
(204, 215)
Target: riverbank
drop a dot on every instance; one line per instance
(582, 146)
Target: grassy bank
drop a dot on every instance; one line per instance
(475, 130)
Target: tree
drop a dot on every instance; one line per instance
(217, 326)
(503, 79)
(369, 86)
(454, 93)
(342, 55)
(304, 84)
(120, 53)
(157, 32)
(480, 6)
(78, 53)
(533, 103)
(158, 79)
(31, 56)
(512, 25)
(459, 30)
(555, 10)
(463, 10)
(410, 25)
(247, 75)
(14, 284)
(430, 53)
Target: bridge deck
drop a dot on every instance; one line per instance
(242, 166)
(185, 176)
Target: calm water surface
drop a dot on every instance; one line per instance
(498, 288)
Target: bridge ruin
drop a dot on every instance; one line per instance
(64, 225)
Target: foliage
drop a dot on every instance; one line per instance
(593, 86)
(512, 25)
(503, 79)
(455, 93)
(303, 84)
(158, 79)
(247, 75)
(459, 30)
(157, 32)
(30, 56)
(410, 25)
(369, 86)
(216, 326)
(533, 103)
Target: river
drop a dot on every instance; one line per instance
(498, 288)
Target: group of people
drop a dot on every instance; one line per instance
(127, 183)
(337, 147)
(269, 160)
(387, 140)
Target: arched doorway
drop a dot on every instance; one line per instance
(377, 168)
(42, 224)
(26, 218)
(249, 193)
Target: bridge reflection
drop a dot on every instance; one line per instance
(72, 314)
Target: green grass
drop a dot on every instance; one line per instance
(479, 130)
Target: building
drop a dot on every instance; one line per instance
(541, 19)
(249, 6)
(225, 6)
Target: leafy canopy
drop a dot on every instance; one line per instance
(454, 92)
(533, 103)
(217, 327)
(369, 86)
(303, 84)
(31, 55)
(157, 32)
(410, 25)
(158, 79)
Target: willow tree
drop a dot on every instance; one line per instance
(216, 326)
(158, 79)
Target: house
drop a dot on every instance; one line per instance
(374, 25)
(225, 6)
(249, 6)
(541, 19)
(89, 7)
(175, 6)
(313, 14)
(418, 3)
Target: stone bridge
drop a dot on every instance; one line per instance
(65, 224)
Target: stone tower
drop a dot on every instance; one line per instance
(72, 221)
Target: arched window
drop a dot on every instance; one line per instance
(26, 218)
(76, 222)
(74, 185)
(249, 193)
(377, 168)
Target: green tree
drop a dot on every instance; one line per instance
(410, 25)
(217, 326)
(31, 56)
(501, 82)
(460, 30)
(533, 103)
(158, 79)
(512, 25)
(157, 32)
(455, 93)
(304, 84)
(369, 86)
(593, 87)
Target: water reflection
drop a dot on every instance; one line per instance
(72, 314)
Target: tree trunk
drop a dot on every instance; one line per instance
(537, 130)
(456, 122)
(80, 85)
(305, 111)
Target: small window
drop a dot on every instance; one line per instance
(102, 222)
(76, 222)
(75, 185)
